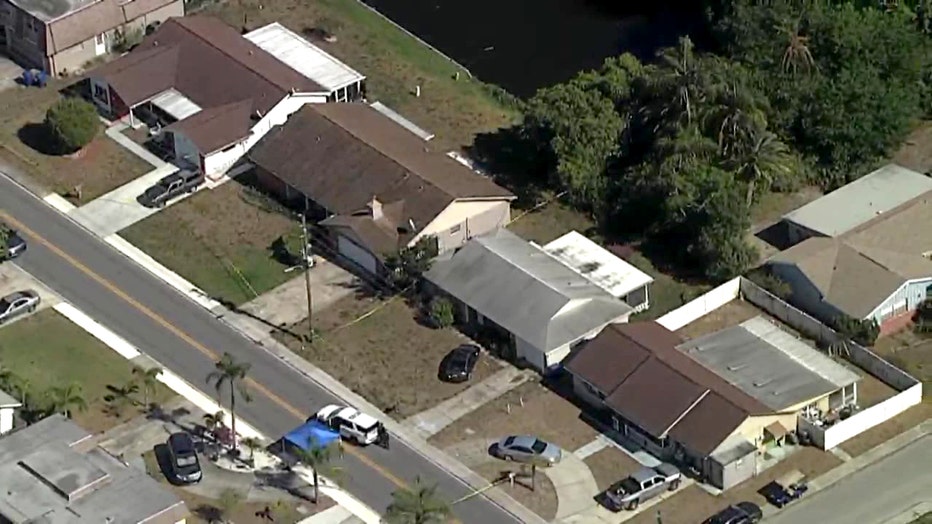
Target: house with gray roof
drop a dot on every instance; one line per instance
(862, 251)
(51, 472)
(542, 306)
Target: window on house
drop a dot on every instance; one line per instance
(455, 229)
(100, 93)
(100, 39)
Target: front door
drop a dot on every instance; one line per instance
(100, 44)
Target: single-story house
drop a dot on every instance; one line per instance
(714, 403)
(8, 407)
(543, 307)
(213, 93)
(52, 471)
(61, 37)
(621, 279)
(866, 258)
(377, 185)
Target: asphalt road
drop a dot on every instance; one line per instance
(873, 495)
(187, 339)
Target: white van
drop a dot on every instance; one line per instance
(351, 423)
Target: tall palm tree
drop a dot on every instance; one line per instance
(763, 159)
(252, 444)
(232, 374)
(735, 112)
(797, 54)
(121, 397)
(417, 505)
(67, 399)
(149, 378)
(678, 86)
(319, 458)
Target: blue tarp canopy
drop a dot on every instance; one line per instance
(312, 434)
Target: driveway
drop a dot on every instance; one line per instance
(13, 279)
(118, 209)
(9, 72)
(873, 495)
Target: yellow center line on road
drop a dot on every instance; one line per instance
(213, 355)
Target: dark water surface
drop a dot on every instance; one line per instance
(522, 45)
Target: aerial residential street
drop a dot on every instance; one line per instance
(874, 495)
(186, 338)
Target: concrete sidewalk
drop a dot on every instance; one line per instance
(429, 422)
(116, 133)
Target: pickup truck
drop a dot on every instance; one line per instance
(641, 486)
(170, 187)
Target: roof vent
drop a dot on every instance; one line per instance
(412, 225)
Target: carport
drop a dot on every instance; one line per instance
(164, 109)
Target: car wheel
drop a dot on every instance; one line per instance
(633, 505)
(675, 484)
(32, 308)
(507, 458)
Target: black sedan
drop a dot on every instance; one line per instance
(740, 513)
(458, 365)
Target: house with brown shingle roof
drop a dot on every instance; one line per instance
(862, 250)
(61, 36)
(378, 186)
(713, 402)
(213, 93)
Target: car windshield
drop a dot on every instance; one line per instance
(629, 485)
(187, 460)
(4, 305)
(539, 446)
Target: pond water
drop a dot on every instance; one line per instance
(522, 45)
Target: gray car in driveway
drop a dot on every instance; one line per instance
(642, 485)
(529, 450)
(16, 304)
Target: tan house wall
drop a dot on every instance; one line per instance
(753, 428)
(464, 219)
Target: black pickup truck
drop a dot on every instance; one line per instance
(171, 186)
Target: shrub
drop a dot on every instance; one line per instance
(776, 286)
(72, 123)
(441, 312)
(864, 332)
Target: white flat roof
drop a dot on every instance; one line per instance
(175, 104)
(304, 57)
(597, 264)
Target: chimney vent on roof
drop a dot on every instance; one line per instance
(375, 207)
(412, 225)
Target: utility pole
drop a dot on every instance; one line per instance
(306, 251)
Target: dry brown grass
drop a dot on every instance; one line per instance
(393, 62)
(692, 504)
(534, 410)
(610, 465)
(541, 500)
(388, 357)
(729, 315)
(218, 239)
(916, 152)
(103, 165)
(877, 435)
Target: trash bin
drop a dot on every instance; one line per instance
(27, 77)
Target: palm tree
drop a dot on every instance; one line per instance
(318, 458)
(149, 378)
(678, 86)
(229, 372)
(214, 421)
(66, 399)
(417, 505)
(121, 398)
(21, 386)
(252, 444)
(763, 159)
(734, 114)
(797, 54)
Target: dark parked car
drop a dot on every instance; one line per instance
(458, 365)
(740, 513)
(19, 303)
(185, 466)
(170, 187)
(15, 245)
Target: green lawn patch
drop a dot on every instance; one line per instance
(47, 350)
(220, 240)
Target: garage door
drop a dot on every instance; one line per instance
(360, 256)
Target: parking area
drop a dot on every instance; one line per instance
(13, 279)
(9, 72)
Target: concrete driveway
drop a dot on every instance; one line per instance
(9, 72)
(119, 209)
(13, 279)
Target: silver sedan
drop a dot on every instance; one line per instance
(529, 450)
(18, 303)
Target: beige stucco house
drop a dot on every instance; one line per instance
(61, 36)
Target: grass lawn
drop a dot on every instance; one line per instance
(220, 241)
(666, 292)
(529, 409)
(48, 350)
(102, 166)
(610, 465)
(924, 519)
(541, 500)
(393, 62)
(388, 357)
(549, 223)
(204, 510)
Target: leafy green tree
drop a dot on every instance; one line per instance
(66, 399)
(678, 87)
(418, 505)
(231, 374)
(407, 265)
(72, 122)
(121, 398)
(148, 379)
